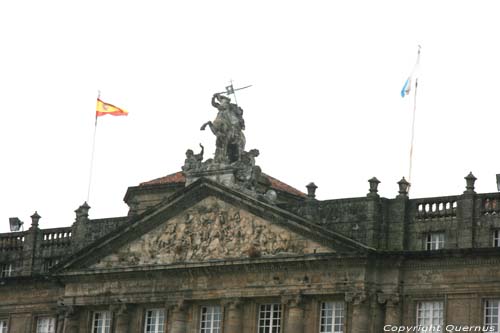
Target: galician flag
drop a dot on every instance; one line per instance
(104, 108)
(407, 87)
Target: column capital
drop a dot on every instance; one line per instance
(66, 311)
(390, 299)
(292, 300)
(356, 297)
(177, 305)
(119, 309)
(232, 303)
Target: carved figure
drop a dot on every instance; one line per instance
(210, 230)
(228, 129)
(247, 172)
(193, 161)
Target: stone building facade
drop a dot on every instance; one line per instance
(222, 247)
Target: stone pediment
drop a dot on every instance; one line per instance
(203, 222)
(210, 230)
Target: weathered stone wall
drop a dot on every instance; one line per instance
(299, 286)
(462, 281)
(376, 291)
(141, 198)
(358, 218)
(23, 300)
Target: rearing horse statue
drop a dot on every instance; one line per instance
(228, 129)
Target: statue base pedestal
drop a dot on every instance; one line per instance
(223, 174)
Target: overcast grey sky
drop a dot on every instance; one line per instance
(324, 106)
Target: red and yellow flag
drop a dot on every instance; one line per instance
(104, 108)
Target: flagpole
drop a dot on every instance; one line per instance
(92, 154)
(413, 129)
(414, 112)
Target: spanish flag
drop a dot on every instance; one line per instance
(106, 108)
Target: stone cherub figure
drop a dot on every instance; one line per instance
(193, 161)
(246, 171)
(228, 129)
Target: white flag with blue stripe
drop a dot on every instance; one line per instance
(407, 87)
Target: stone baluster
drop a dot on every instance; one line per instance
(234, 320)
(295, 319)
(179, 317)
(360, 321)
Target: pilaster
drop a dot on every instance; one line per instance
(360, 321)
(234, 319)
(122, 315)
(179, 317)
(295, 317)
(71, 319)
(392, 308)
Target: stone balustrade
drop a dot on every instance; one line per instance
(58, 237)
(490, 204)
(435, 208)
(12, 241)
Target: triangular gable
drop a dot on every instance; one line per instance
(149, 238)
(210, 230)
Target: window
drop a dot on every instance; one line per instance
(430, 315)
(101, 322)
(331, 318)
(49, 263)
(269, 318)
(496, 238)
(210, 319)
(434, 241)
(46, 325)
(3, 326)
(491, 314)
(5, 270)
(154, 321)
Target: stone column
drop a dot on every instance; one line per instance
(122, 317)
(295, 319)
(234, 318)
(179, 317)
(360, 321)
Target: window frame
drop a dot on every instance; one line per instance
(333, 313)
(48, 263)
(6, 267)
(157, 322)
(429, 241)
(95, 329)
(485, 313)
(52, 320)
(5, 325)
(268, 329)
(212, 320)
(496, 238)
(433, 303)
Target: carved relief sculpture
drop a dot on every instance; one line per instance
(211, 230)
